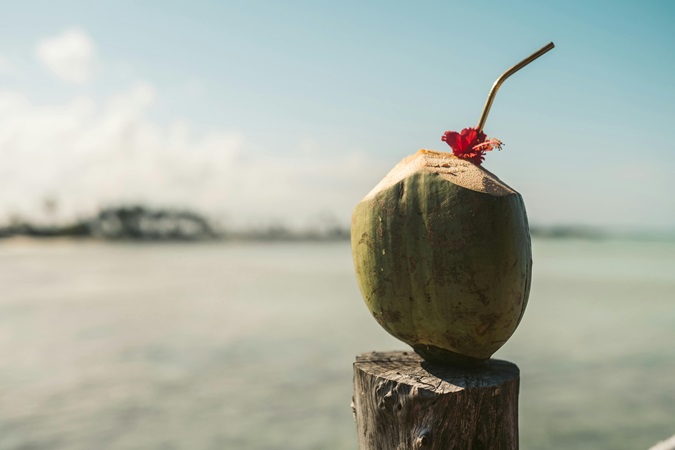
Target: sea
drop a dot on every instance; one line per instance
(250, 345)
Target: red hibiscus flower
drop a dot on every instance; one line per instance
(470, 144)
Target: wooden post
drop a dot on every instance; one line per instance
(403, 402)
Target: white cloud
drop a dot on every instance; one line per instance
(87, 154)
(70, 55)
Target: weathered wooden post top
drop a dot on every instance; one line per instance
(443, 259)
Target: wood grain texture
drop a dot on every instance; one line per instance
(403, 402)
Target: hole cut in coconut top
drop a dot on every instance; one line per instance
(449, 167)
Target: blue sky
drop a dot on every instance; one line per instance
(262, 111)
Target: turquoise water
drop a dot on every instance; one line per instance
(250, 346)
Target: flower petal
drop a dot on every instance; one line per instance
(450, 137)
(470, 144)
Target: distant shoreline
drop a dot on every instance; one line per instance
(144, 224)
(261, 237)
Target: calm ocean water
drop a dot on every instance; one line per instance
(250, 346)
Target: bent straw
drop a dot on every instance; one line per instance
(504, 76)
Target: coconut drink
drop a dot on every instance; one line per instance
(442, 249)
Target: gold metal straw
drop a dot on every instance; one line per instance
(505, 75)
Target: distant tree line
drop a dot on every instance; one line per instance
(144, 223)
(567, 231)
(140, 223)
(124, 222)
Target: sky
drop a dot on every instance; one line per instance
(289, 112)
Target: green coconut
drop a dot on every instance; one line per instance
(443, 257)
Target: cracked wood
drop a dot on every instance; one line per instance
(402, 402)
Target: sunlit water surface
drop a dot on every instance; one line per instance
(250, 346)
